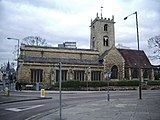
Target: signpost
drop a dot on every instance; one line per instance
(107, 76)
(60, 92)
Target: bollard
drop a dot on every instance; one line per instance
(42, 93)
(6, 91)
(37, 86)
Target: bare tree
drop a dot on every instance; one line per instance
(154, 45)
(6, 67)
(34, 40)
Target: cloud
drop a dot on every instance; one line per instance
(58, 21)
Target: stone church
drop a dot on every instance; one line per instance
(40, 64)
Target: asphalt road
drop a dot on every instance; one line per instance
(26, 109)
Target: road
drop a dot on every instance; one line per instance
(26, 109)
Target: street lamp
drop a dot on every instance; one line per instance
(18, 45)
(17, 52)
(140, 89)
(107, 76)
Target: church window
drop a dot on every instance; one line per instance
(145, 74)
(105, 41)
(79, 75)
(106, 27)
(95, 75)
(127, 74)
(135, 73)
(36, 75)
(114, 71)
(64, 75)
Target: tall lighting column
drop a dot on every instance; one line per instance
(140, 87)
(17, 52)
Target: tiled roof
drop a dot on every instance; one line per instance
(63, 60)
(135, 58)
(105, 53)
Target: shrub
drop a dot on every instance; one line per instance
(84, 84)
(69, 84)
(125, 83)
(154, 82)
(96, 83)
(157, 76)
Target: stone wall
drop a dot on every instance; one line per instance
(97, 34)
(49, 71)
(59, 53)
(114, 58)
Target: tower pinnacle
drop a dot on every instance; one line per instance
(101, 12)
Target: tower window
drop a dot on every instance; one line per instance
(106, 27)
(105, 41)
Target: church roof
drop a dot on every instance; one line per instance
(63, 60)
(135, 58)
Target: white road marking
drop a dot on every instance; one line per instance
(124, 105)
(121, 105)
(23, 108)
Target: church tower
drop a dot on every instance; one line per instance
(102, 35)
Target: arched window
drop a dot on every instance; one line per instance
(105, 41)
(135, 73)
(106, 27)
(114, 71)
(145, 74)
(127, 74)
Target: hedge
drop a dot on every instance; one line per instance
(83, 84)
(126, 83)
(157, 76)
(154, 82)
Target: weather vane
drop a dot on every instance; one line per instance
(101, 11)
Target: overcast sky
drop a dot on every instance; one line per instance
(58, 21)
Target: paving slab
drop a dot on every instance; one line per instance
(117, 109)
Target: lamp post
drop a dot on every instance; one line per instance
(140, 89)
(107, 76)
(18, 46)
(17, 52)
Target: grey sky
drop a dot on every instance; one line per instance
(58, 21)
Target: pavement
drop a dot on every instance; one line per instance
(118, 109)
(115, 109)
